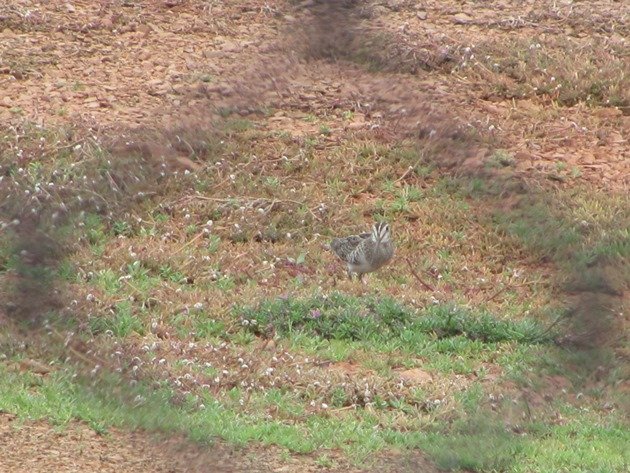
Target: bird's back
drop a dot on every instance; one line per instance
(345, 248)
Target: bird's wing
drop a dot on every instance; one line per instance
(360, 254)
(343, 247)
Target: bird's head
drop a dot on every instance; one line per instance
(381, 232)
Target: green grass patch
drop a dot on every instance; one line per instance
(383, 320)
(476, 443)
(584, 442)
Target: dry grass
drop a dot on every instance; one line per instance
(563, 71)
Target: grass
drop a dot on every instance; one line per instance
(144, 277)
(567, 72)
(478, 443)
(475, 444)
(130, 268)
(580, 444)
(563, 70)
(588, 234)
(211, 308)
(382, 321)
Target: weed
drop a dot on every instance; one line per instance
(107, 280)
(348, 115)
(272, 181)
(213, 243)
(208, 328)
(404, 198)
(169, 274)
(237, 125)
(324, 130)
(123, 228)
(123, 322)
(500, 158)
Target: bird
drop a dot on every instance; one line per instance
(365, 252)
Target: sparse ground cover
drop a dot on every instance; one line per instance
(181, 274)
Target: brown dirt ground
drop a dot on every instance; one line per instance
(37, 446)
(122, 65)
(132, 64)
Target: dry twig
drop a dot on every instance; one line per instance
(415, 275)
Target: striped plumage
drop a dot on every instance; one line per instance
(365, 252)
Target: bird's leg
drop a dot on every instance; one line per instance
(349, 274)
(361, 278)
